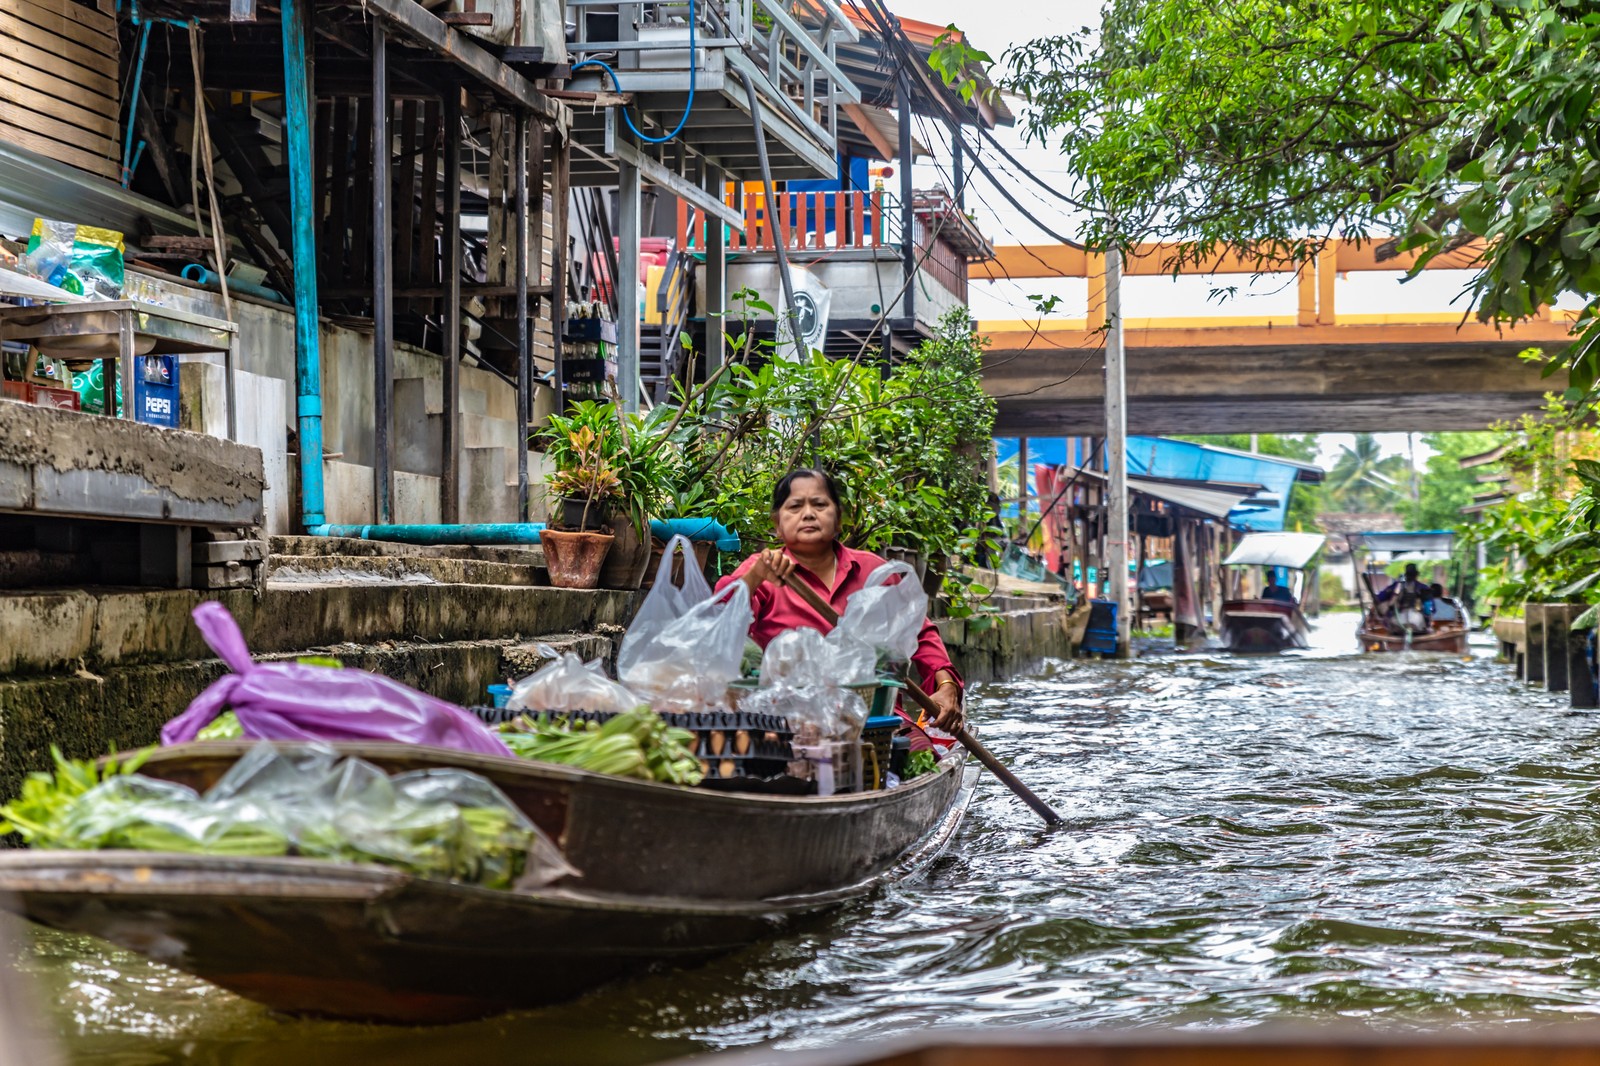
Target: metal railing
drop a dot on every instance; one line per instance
(787, 45)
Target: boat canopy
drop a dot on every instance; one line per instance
(1430, 543)
(1293, 550)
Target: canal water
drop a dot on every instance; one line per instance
(1399, 841)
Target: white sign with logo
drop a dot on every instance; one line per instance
(812, 301)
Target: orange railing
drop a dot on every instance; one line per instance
(802, 221)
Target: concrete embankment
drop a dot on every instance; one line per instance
(92, 669)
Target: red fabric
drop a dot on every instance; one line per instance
(777, 608)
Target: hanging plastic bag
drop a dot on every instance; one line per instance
(887, 617)
(666, 601)
(570, 684)
(297, 701)
(686, 664)
(802, 656)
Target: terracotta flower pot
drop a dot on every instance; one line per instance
(628, 558)
(574, 559)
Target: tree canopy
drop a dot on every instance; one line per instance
(1276, 125)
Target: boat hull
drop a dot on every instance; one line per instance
(1451, 640)
(369, 943)
(1263, 626)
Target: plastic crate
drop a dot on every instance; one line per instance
(877, 739)
(155, 390)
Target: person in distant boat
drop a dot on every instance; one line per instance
(807, 516)
(1407, 604)
(1445, 609)
(1275, 591)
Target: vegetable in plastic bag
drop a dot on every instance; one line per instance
(887, 617)
(685, 664)
(296, 701)
(570, 684)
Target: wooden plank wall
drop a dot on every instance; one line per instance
(59, 92)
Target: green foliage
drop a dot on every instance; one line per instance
(1275, 125)
(1548, 536)
(908, 449)
(1445, 487)
(612, 458)
(1364, 479)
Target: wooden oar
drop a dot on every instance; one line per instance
(923, 700)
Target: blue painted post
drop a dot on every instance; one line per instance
(307, 356)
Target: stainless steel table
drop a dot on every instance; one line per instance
(114, 331)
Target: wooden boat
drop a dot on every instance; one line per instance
(1374, 634)
(1448, 638)
(668, 875)
(1567, 1045)
(1270, 623)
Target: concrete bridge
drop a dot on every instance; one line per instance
(1312, 371)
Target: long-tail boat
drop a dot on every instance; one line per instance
(1271, 621)
(1376, 632)
(667, 875)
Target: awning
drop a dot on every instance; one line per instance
(1435, 542)
(1293, 550)
(1207, 498)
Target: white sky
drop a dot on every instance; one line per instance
(1000, 24)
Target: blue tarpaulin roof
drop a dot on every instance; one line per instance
(1168, 458)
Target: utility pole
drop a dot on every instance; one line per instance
(1117, 451)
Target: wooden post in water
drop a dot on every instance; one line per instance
(1116, 556)
(1533, 646)
(1581, 692)
(1557, 624)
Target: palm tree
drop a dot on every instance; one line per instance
(1364, 479)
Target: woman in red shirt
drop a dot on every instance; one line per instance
(807, 516)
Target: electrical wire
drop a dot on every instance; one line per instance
(617, 84)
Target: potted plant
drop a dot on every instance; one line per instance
(575, 541)
(610, 471)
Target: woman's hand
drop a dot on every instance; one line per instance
(771, 565)
(946, 696)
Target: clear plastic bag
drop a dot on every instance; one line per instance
(802, 656)
(686, 664)
(84, 260)
(666, 602)
(570, 684)
(887, 617)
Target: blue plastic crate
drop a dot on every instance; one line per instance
(155, 390)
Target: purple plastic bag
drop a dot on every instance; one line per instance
(293, 701)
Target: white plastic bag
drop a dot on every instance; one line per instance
(802, 656)
(887, 617)
(687, 663)
(570, 684)
(665, 601)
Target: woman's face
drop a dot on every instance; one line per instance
(808, 519)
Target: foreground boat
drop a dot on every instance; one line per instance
(1271, 622)
(668, 875)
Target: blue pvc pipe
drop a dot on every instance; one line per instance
(201, 276)
(482, 533)
(307, 356)
(696, 529)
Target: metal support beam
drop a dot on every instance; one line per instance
(908, 239)
(382, 280)
(297, 99)
(1117, 451)
(520, 264)
(958, 168)
(681, 187)
(450, 483)
(416, 22)
(628, 190)
(716, 249)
